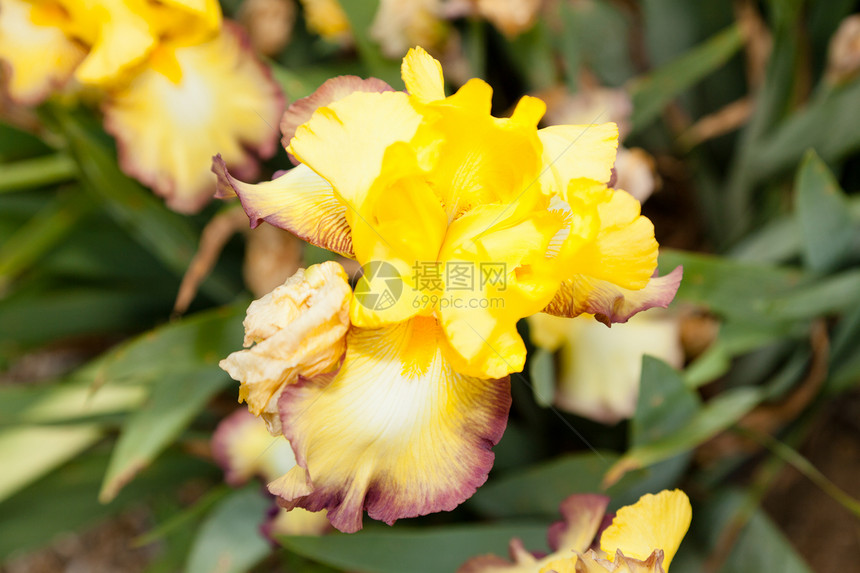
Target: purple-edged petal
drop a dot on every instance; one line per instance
(610, 303)
(300, 111)
(244, 448)
(396, 431)
(299, 201)
(189, 103)
(582, 516)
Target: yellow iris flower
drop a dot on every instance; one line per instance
(176, 85)
(642, 538)
(463, 224)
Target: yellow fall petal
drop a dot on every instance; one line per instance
(167, 131)
(37, 55)
(654, 522)
(297, 329)
(422, 75)
(396, 431)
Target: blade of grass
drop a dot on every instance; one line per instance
(37, 172)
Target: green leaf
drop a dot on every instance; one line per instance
(759, 546)
(734, 339)
(822, 215)
(714, 417)
(193, 342)
(428, 550)
(731, 288)
(229, 541)
(360, 16)
(177, 397)
(66, 500)
(37, 172)
(45, 231)
(826, 296)
(664, 406)
(653, 92)
(64, 402)
(540, 489)
(72, 312)
(531, 53)
(543, 376)
(29, 452)
(16, 144)
(829, 124)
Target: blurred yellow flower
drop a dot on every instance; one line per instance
(463, 223)
(244, 449)
(599, 368)
(642, 538)
(176, 86)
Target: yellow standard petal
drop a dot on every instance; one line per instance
(577, 152)
(654, 522)
(396, 431)
(422, 75)
(36, 55)
(167, 129)
(297, 329)
(346, 141)
(121, 34)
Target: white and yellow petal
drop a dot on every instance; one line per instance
(297, 329)
(189, 104)
(396, 431)
(36, 54)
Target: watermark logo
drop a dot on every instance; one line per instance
(434, 285)
(379, 287)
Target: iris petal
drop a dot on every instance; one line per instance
(286, 201)
(37, 58)
(168, 131)
(397, 431)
